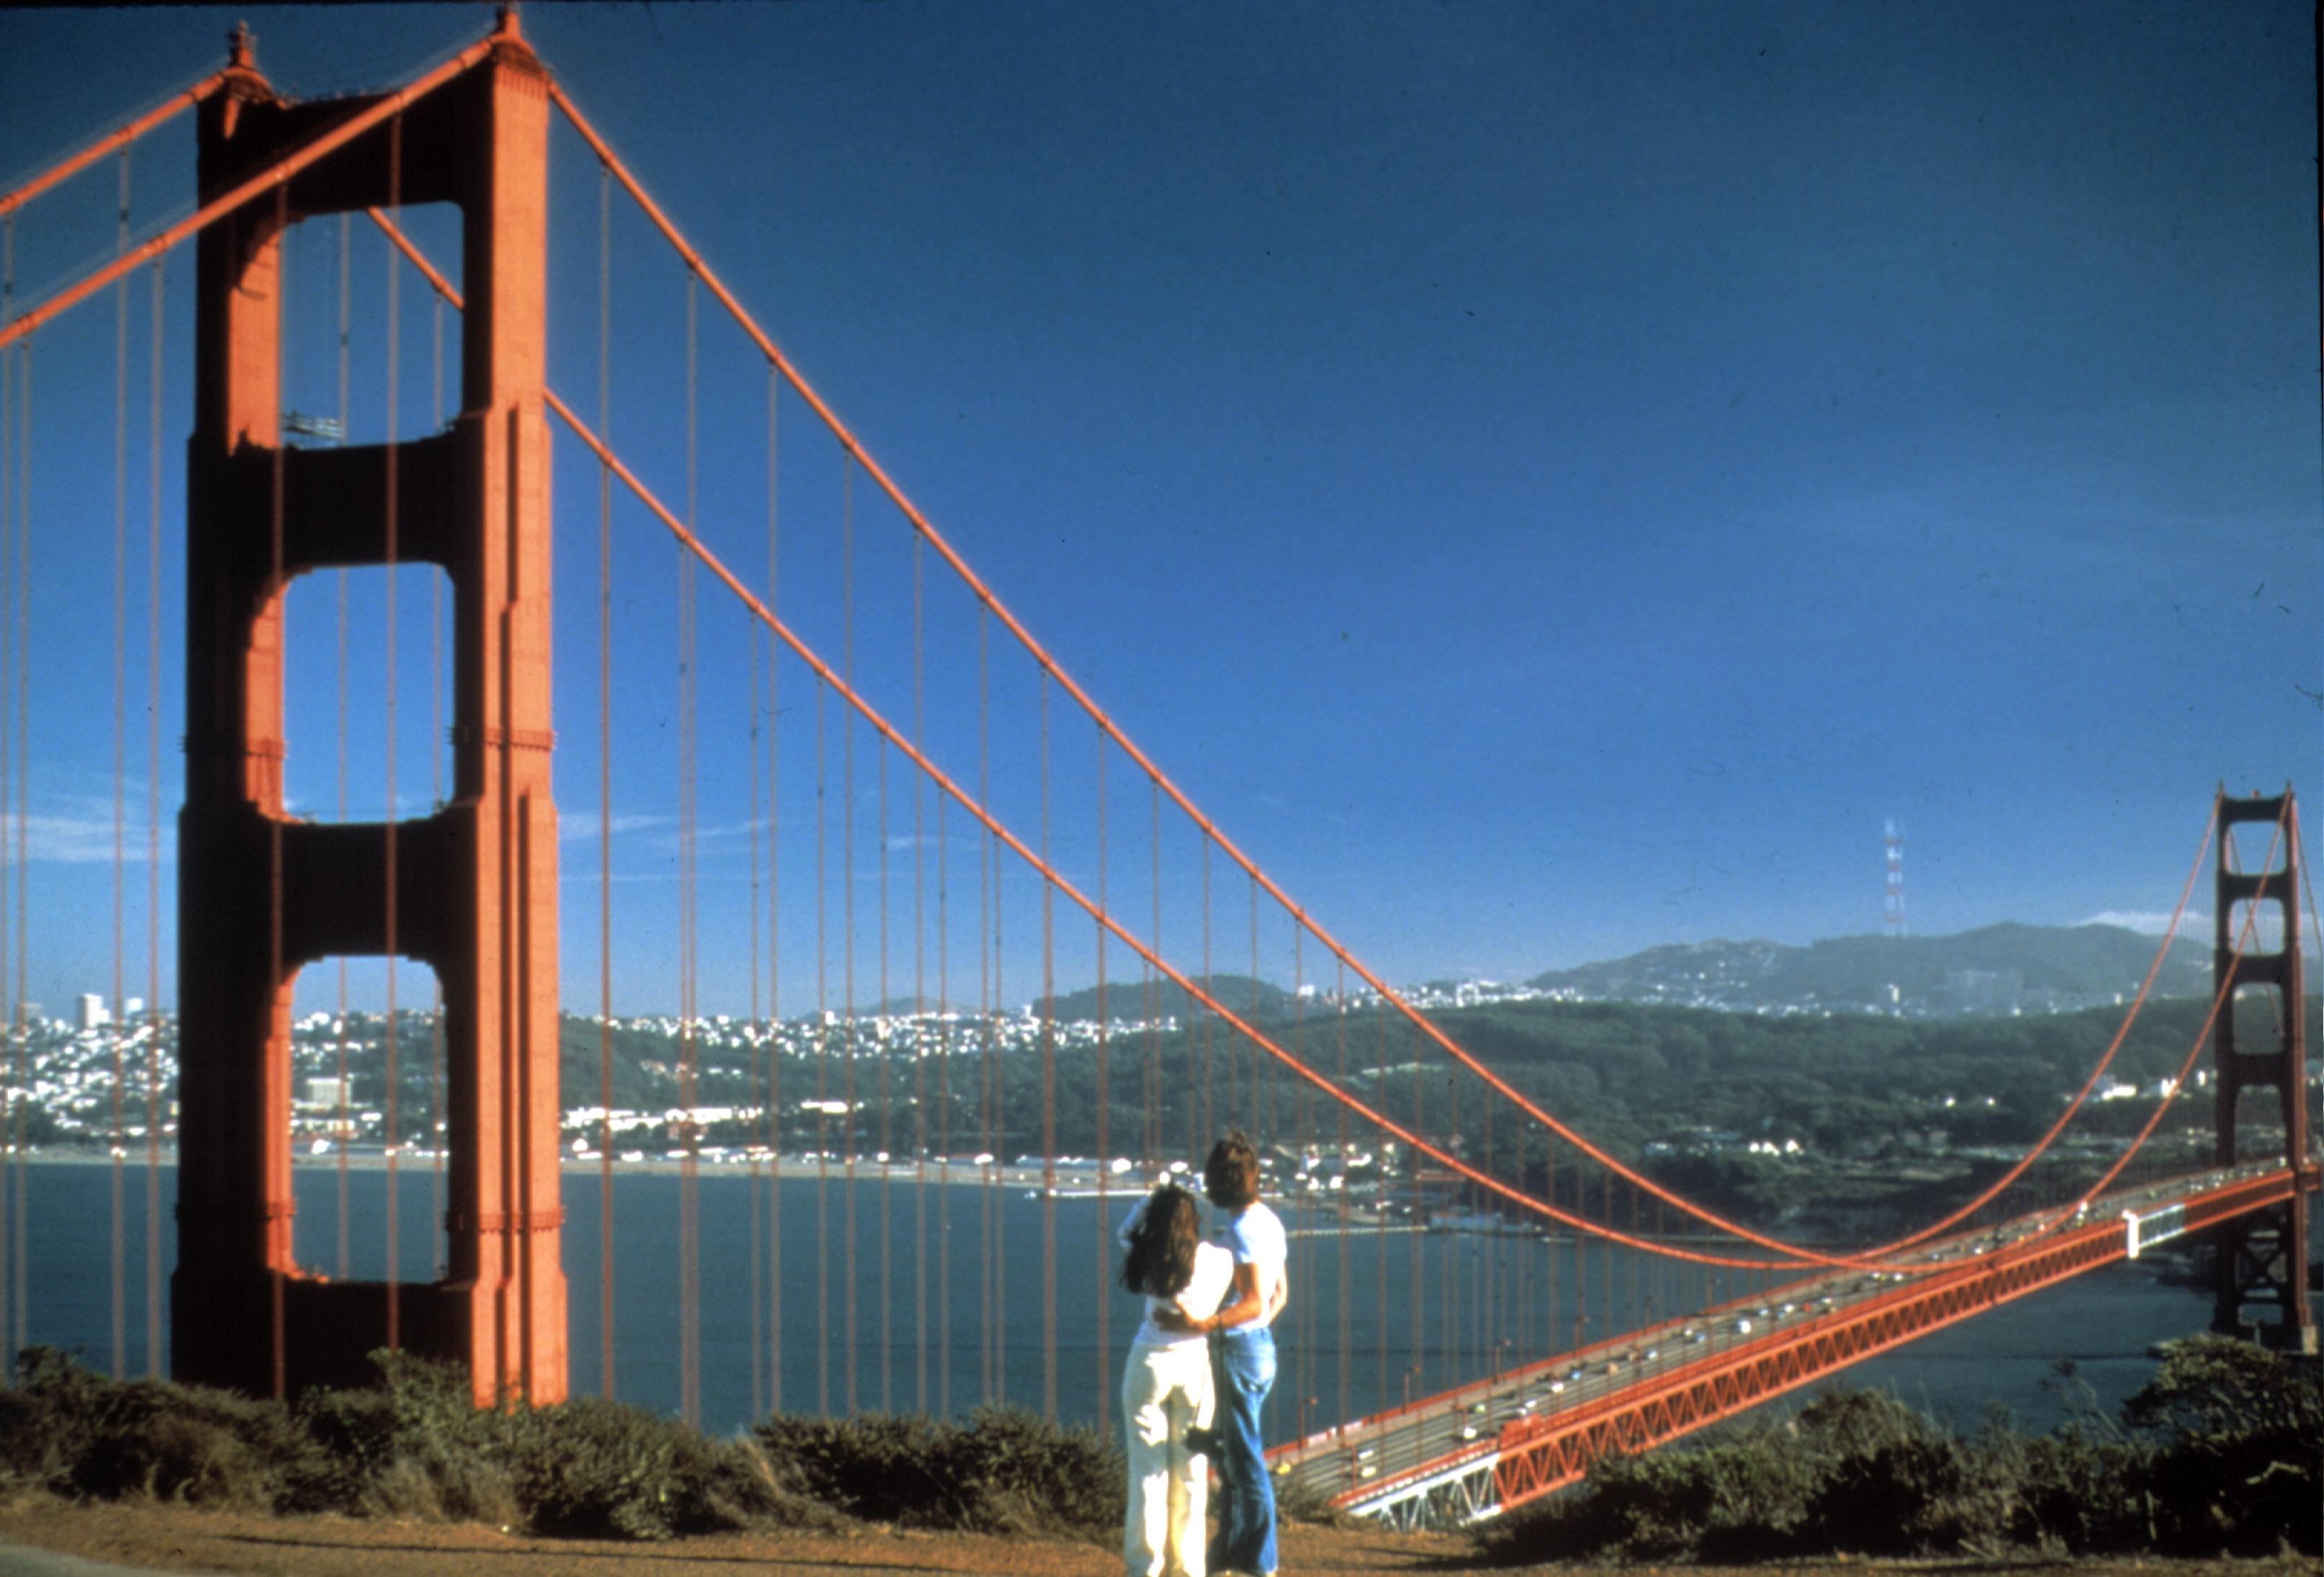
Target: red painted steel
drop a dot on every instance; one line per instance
(1064, 886)
(1539, 1455)
(2262, 1261)
(122, 137)
(262, 895)
(244, 84)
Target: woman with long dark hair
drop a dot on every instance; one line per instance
(1165, 1385)
(1242, 1358)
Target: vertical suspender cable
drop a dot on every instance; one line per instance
(604, 792)
(1448, 1275)
(943, 1112)
(439, 1129)
(851, 1042)
(344, 1138)
(1302, 1146)
(1210, 1116)
(1581, 1257)
(1104, 1100)
(120, 781)
(152, 849)
(689, 1264)
(1000, 1113)
(1048, 1031)
(11, 1097)
(1260, 1117)
(1481, 1314)
(1637, 1268)
(757, 1044)
(987, 1206)
(23, 698)
(1379, 1209)
(24, 808)
(1153, 983)
(1606, 1281)
(1417, 1265)
(775, 1043)
(887, 1106)
(394, 1070)
(822, 1068)
(1343, 1403)
(920, 999)
(1549, 1326)
(23, 1280)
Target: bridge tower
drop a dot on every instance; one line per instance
(470, 890)
(2263, 1257)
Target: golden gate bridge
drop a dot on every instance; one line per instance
(990, 818)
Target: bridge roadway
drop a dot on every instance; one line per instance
(1469, 1453)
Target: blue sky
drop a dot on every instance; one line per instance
(1547, 480)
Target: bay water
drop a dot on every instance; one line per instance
(974, 1292)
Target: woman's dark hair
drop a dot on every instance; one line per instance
(1231, 1176)
(1162, 1245)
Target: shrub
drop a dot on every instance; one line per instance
(1739, 1495)
(2219, 1457)
(2235, 1468)
(412, 1445)
(1007, 1470)
(596, 1469)
(77, 1432)
(2086, 1495)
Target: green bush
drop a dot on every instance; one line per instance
(2234, 1430)
(2217, 1455)
(412, 1445)
(1006, 1471)
(74, 1432)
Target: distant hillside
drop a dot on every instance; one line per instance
(1126, 1000)
(1998, 969)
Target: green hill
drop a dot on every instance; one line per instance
(1995, 969)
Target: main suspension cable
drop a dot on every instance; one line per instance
(2222, 1000)
(999, 836)
(1258, 879)
(988, 600)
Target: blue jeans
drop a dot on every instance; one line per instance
(1242, 1367)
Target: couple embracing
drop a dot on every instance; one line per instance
(1199, 1370)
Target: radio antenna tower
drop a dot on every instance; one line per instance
(1891, 908)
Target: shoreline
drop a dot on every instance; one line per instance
(962, 1174)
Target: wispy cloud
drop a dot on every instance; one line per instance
(82, 834)
(573, 826)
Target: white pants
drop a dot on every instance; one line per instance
(1163, 1390)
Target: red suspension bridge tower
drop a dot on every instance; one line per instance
(2263, 1257)
(470, 890)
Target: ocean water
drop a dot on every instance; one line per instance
(967, 1294)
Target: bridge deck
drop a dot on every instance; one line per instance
(1471, 1453)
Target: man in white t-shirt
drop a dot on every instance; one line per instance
(1243, 1359)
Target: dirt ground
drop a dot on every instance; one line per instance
(170, 1538)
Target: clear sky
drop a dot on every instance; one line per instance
(1548, 479)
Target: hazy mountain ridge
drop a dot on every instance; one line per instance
(2010, 967)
